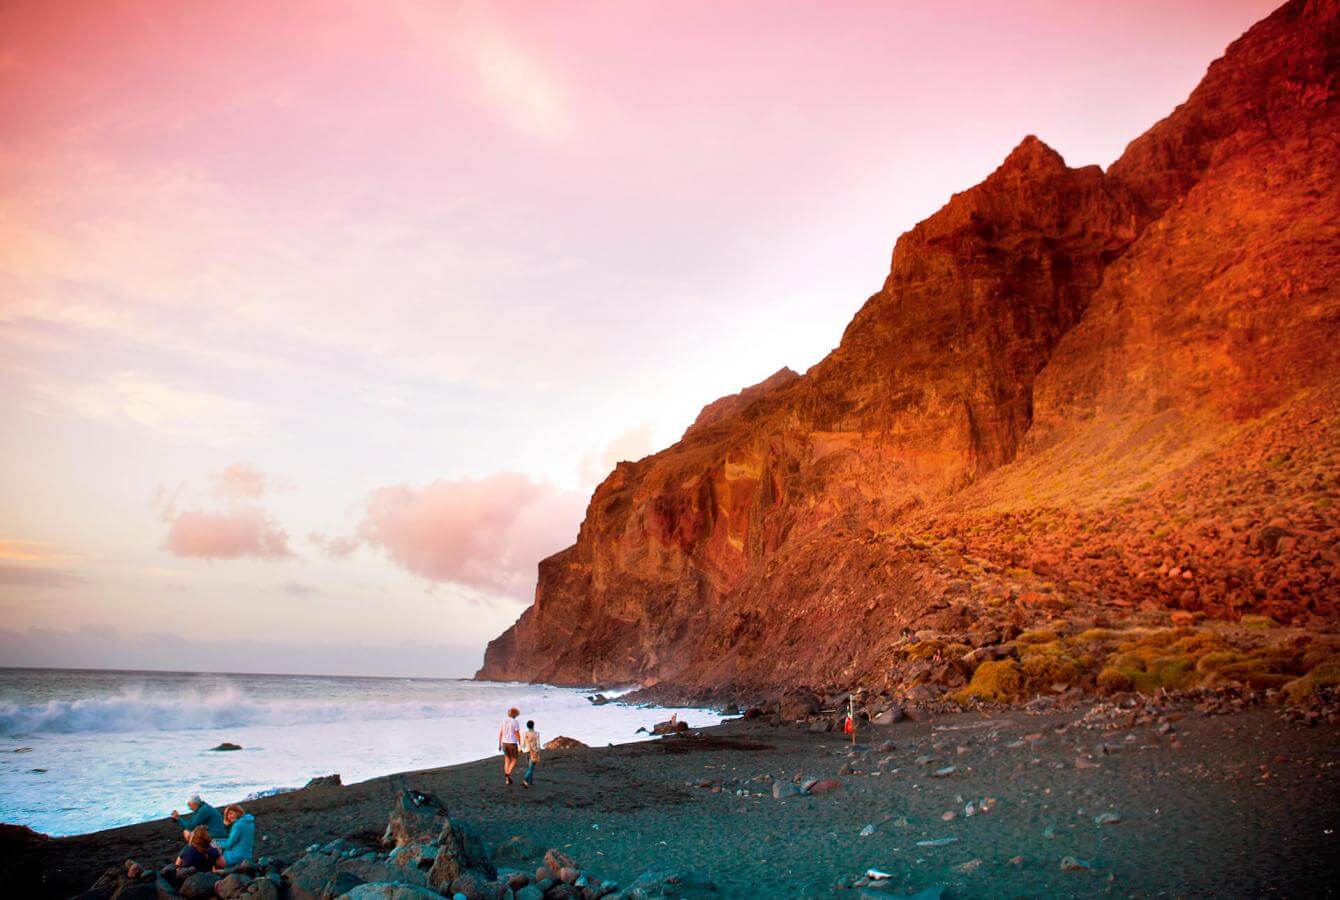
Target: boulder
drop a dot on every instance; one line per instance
(416, 818)
(797, 704)
(234, 885)
(891, 716)
(226, 746)
(556, 861)
(199, 886)
(307, 878)
(562, 742)
(669, 726)
(264, 889)
(462, 850)
(324, 781)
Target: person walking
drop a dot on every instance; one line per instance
(530, 743)
(509, 741)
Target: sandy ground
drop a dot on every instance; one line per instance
(1240, 805)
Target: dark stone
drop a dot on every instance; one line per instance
(199, 886)
(234, 885)
(227, 745)
(325, 781)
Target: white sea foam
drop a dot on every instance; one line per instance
(135, 710)
(112, 748)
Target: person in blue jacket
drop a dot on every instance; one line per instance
(241, 840)
(201, 814)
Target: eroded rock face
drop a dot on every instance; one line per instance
(1091, 378)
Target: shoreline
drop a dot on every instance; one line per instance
(1258, 789)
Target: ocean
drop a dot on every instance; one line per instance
(83, 750)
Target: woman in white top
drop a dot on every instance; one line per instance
(509, 739)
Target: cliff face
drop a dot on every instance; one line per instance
(1071, 384)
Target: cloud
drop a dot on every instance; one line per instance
(488, 533)
(244, 532)
(35, 576)
(30, 551)
(334, 547)
(173, 411)
(632, 444)
(509, 80)
(240, 530)
(240, 481)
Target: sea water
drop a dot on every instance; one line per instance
(86, 750)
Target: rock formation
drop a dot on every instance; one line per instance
(1077, 392)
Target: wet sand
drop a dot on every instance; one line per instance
(1238, 805)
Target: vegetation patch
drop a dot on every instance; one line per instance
(1001, 680)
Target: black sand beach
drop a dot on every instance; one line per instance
(1234, 805)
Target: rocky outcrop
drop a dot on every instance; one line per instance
(1076, 389)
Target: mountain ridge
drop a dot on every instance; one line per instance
(1055, 345)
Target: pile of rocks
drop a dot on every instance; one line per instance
(423, 854)
(131, 881)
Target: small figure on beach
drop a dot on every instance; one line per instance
(530, 743)
(241, 840)
(199, 853)
(201, 814)
(509, 742)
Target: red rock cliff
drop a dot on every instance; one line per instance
(1071, 384)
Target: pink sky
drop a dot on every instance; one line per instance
(329, 315)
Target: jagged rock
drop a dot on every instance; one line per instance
(462, 852)
(416, 818)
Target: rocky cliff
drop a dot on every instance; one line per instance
(1080, 399)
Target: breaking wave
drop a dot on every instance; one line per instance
(224, 707)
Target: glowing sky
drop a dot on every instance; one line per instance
(320, 320)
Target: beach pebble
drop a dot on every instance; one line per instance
(1073, 864)
(937, 842)
(569, 875)
(971, 865)
(782, 789)
(1107, 818)
(824, 786)
(945, 772)
(530, 892)
(867, 831)
(1016, 860)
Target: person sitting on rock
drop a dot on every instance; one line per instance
(199, 853)
(201, 814)
(509, 739)
(241, 840)
(530, 744)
